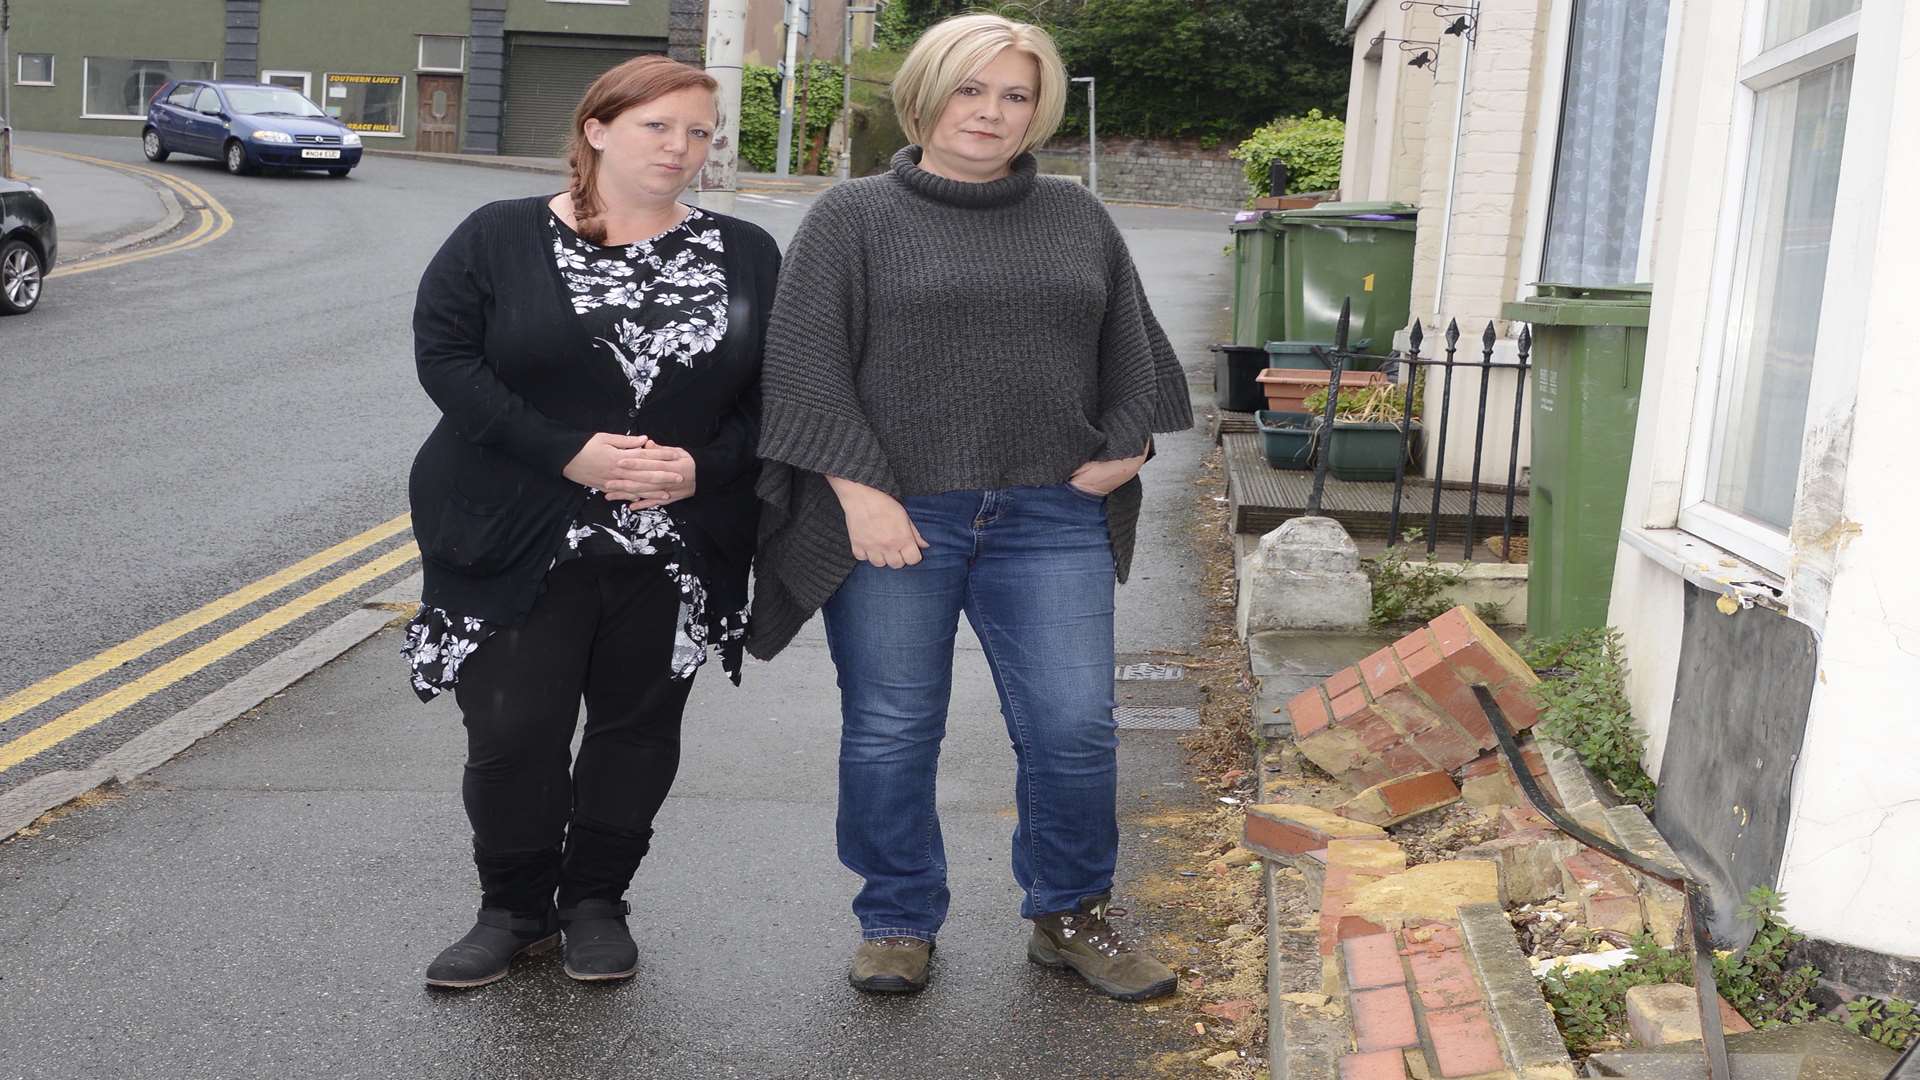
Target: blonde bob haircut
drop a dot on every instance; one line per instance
(953, 51)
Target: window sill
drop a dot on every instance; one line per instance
(1710, 566)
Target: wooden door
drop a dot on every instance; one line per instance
(439, 127)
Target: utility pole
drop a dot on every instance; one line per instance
(6, 94)
(1093, 139)
(846, 90)
(726, 52)
(799, 25)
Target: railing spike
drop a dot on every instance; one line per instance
(1453, 332)
(1488, 337)
(1415, 336)
(1526, 341)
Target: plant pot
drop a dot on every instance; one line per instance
(1286, 438)
(1359, 451)
(1235, 369)
(1287, 389)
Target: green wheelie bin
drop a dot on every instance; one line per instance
(1259, 280)
(1589, 347)
(1337, 251)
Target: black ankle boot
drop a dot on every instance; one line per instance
(485, 954)
(598, 946)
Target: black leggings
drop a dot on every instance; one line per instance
(604, 628)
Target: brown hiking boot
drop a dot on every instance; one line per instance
(892, 965)
(1086, 942)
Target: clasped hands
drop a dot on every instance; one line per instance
(883, 535)
(633, 469)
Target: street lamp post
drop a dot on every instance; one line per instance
(6, 98)
(1093, 140)
(846, 90)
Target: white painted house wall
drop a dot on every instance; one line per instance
(1852, 861)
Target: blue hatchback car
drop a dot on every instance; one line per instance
(247, 126)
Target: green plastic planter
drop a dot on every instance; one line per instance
(1286, 438)
(1364, 452)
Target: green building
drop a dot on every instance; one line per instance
(480, 76)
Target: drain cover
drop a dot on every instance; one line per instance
(1149, 672)
(1156, 718)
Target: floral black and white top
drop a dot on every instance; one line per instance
(645, 304)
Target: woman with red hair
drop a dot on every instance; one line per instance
(585, 508)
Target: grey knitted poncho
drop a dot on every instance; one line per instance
(932, 335)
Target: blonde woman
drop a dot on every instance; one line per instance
(961, 380)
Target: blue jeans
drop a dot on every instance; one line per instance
(1033, 570)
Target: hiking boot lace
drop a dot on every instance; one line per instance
(1093, 928)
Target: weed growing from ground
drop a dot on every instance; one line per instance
(1405, 590)
(1583, 705)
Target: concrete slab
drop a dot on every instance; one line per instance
(1281, 653)
(1820, 1050)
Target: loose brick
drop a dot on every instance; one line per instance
(1383, 1019)
(1341, 681)
(1437, 738)
(1463, 1041)
(1476, 652)
(1667, 1013)
(1348, 927)
(1443, 979)
(1420, 640)
(1517, 702)
(1282, 830)
(1381, 672)
(1443, 686)
(1335, 749)
(1402, 798)
(1495, 789)
(1518, 819)
(1377, 1065)
(1350, 704)
(1372, 960)
(1309, 713)
(1373, 856)
(1529, 862)
(1430, 937)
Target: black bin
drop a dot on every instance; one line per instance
(1235, 371)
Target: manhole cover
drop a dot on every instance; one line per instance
(1155, 718)
(1149, 672)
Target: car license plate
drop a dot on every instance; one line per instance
(328, 155)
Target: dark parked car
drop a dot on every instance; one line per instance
(27, 245)
(247, 126)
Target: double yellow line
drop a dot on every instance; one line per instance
(212, 222)
(85, 716)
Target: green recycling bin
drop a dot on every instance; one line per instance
(1348, 250)
(1589, 346)
(1259, 281)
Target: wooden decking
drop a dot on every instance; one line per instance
(1262, 498)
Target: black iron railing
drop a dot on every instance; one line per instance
(1409, 369)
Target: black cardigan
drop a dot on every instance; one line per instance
(521, 389)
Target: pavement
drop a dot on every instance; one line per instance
(97, 210)
(264, 903)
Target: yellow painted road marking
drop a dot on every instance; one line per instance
(214, 220)
(64, 727)
(141, 644)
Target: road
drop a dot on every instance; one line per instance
(178, 428)
(183, 426)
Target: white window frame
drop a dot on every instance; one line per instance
(401, 134)
(1546, 147)
(86, 66)
(305, 77)
(420, 54)
(1843, 302)
(19, 65)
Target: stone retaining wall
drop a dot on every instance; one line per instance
(1154, 170)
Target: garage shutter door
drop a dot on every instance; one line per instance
(544, 83)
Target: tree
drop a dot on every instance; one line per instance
(1211, 68)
